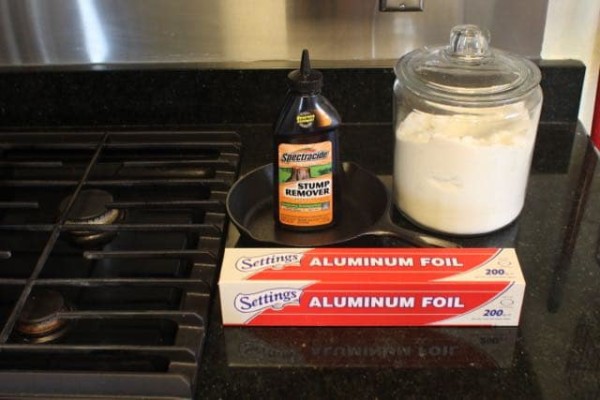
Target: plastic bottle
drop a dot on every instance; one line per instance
(306, 153)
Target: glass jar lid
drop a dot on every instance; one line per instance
(467, 72)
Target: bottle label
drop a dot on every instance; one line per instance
(305, 184)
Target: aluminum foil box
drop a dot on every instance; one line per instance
(371, 287)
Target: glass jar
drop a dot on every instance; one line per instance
(465, 120)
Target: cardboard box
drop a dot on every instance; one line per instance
(371, 287)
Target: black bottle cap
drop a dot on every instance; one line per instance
(305, 79)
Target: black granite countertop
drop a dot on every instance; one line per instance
(553, 354)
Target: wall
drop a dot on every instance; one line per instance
(573, 31)
(67, 32)
(272, 32)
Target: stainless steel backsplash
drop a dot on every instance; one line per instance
(218, 32)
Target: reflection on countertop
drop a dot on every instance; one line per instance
(480, 348)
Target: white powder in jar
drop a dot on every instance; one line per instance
(464, 173)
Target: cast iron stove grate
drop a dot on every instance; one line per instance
(109, 249)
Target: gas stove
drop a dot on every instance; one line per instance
(110, 244)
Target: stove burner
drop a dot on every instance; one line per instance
(39, 321)
(168, 232)
(90, 209)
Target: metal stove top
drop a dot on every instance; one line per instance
(110, 245)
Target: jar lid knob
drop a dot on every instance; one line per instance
(469, 42)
